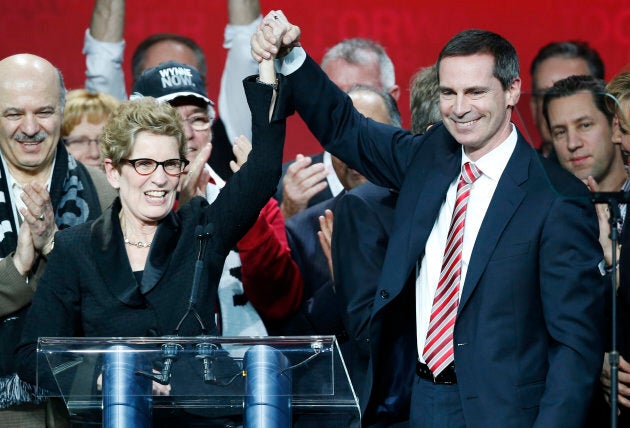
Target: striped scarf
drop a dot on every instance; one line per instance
(75, 201)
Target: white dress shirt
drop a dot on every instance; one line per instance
(333, 181)
(491, 165)
(16, 191)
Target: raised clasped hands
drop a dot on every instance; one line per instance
(37, 230)
(274, 37)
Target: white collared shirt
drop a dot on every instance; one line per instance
(333, 181)
(491, 165)
(16, 190)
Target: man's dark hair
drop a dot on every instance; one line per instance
(572, 49)
(137, 60)
(471, 42)
(573, 85)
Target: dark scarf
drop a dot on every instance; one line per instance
(75, 201)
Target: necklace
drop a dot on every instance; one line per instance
(138, 244)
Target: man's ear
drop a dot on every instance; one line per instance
(513, 93)
(113, 175)
(394, 91)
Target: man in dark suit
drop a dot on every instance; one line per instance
(320, 313)
(581, 128)
(362, 225)
(526, 343)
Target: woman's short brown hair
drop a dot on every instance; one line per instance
(140, 115)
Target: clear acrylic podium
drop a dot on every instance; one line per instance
(264, 381)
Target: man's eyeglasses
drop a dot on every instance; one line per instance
(144, 166)
(80, 142)
(199, 122)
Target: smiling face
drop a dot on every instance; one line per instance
(582, 136)
(474, 106)
(146, 199)
(30, 114)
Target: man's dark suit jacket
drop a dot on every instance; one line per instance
(319, 313)
(319, 197)
(528, 335)
(363, 222)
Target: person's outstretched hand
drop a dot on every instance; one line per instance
(195, 178)
(241, 148)
(302, 181)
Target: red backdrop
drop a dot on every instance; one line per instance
(411, 31)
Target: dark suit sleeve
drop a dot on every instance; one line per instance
(380, 152)
(55, 311)
(358, 249)
(239, 203)
(572, 293)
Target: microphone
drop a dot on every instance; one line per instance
(206, 353)
(169, 356)
(202, 234)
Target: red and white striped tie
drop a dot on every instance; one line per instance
(438, 348)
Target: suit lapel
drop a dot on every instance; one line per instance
(506, 199)
(166, 238)
(418, 205)
(111, 258)
(429, 200)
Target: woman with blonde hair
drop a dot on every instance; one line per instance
(84, 116)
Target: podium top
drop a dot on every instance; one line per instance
(203, 371)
